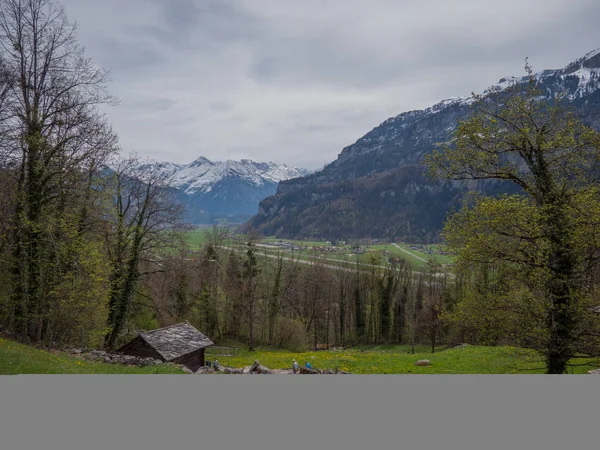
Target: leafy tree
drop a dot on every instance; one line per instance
(50, 132)
(544, 239)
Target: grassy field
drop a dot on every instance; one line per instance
(440, 259)
(298, 243)
(374, 253)
(197, 238)
(380, 251)
(397, 360)
(18, 358)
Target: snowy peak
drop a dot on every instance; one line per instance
(201, 175)
(579, 78)
(590, 61)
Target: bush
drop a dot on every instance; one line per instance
(289, 334)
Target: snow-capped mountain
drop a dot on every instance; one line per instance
(224, 188)
(201, 175)
(376, 188)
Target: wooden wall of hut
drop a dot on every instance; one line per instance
(193, 360)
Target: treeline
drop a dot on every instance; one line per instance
(244, 295)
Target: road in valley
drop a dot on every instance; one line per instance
(409, 253)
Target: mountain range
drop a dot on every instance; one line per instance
(376, 188)
(213, 190)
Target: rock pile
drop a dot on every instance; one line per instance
(257, 368)
(113, 358)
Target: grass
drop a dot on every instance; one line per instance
(298, 243)
(197, 238)
(441, 259)
(16, 358)
(377, 250)
(396, 359)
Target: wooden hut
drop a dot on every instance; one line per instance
(179, 344)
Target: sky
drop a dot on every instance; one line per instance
(294, 82)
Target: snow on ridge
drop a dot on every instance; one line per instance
(202, 174)
(589, 81)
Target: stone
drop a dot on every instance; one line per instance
(423, 362)
(307, 371)
(262, 369)
(254, 366)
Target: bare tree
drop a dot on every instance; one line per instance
(250, 276)
(144, 222)
(50, 127)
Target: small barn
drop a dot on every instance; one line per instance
(179, 344)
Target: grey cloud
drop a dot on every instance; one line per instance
(295, 82)
(220, 106)
(158, 104)
(130, 55)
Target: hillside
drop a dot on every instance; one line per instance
(16, 358)
(376, 187)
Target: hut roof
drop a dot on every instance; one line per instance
(176, 340)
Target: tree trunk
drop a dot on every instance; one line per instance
(251, 325)
(342, 316)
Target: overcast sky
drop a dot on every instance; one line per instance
(295, 81)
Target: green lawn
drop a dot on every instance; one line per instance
(196, 238)
(397, 360)
(16, 358)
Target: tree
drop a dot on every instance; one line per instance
(545, 238)
(387, 286)
(249, 275)
(50, 130)
(233, 295)
(274, 298)
(144, 222)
